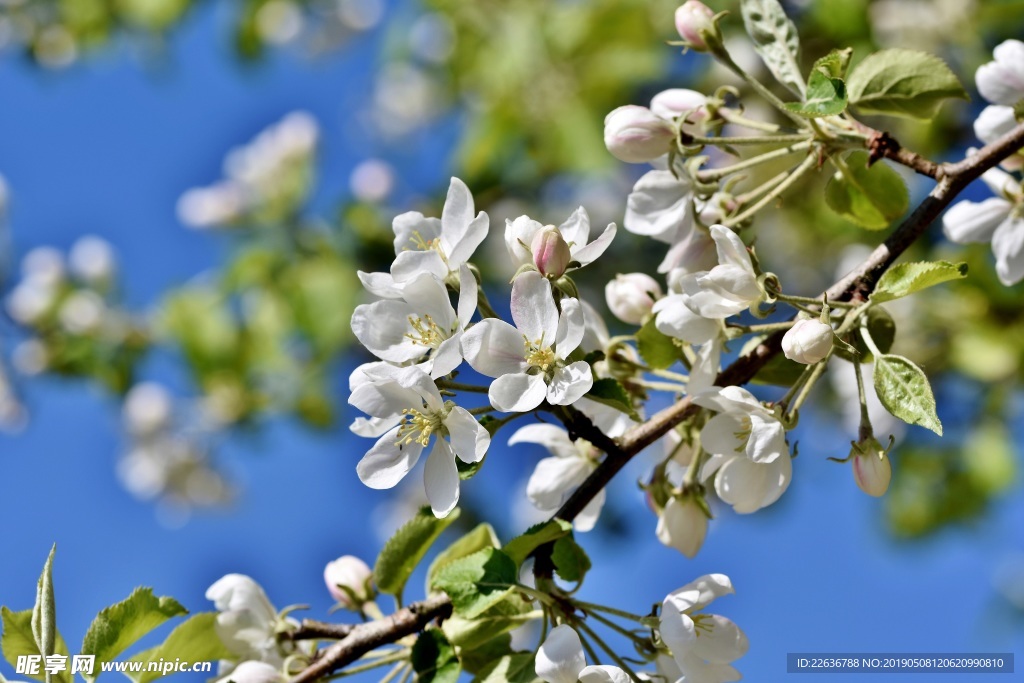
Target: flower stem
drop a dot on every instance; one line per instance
(379, 662)
(591, 607)
(723, 56)
(746, 139)
(459, 386)
(735, 118)
(765, 327)
(794, 176)
(715, 174)
(611, 653)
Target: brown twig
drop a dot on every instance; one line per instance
(858, 284)
(311, 629)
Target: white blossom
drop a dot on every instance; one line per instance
(560, 659)
(529, 361)
(348, 580)
(253, 672)
(730, 287)
(413, 409)
(682, 525)
(808, 341)
(554, 479)
(247, 620)
(575, 231)
(631, 296)
(92, 259)
(697, 639)
(661, 206)
(147, 409)
(1002, 81)
(636, 135)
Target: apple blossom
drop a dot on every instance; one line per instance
(661, 206)
(560, 659)
(730, 287)
(808, 341)
(696, 25)
(695, 638)
(529, 361)
(92, 259)
(253, 672)
(147, 409)
(348, 581)
(527, 246)
(637, 135)
(993, 122)
(422, 326)
(554, 479)
(872, 469)
(247, 621)
(688, 105)
(682, 525)
(414, 410)
(1001, 81)
(631, 296)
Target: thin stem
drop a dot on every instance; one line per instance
(761, 189)
(662, 386)
(810, 301)
(865, 418)
(738, 119)
(745, 139)
(715, 174)
(764, 327)
(611, 653)
(764, 92)
(612, 625)
(459, 386)
(816, 372)
(482, 410)
(377, 663)
(591, 607)
(692, 475)
(794, 176)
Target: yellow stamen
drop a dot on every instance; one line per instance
(538, 355)
(418, 426)
(425, 332)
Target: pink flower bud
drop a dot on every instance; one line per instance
(681, 103)
(348, 581)
(871, 467)
(636, 135)
(550, 252)
(808, 341)
(696, 24)
(630, 297)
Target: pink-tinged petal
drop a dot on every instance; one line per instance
(553, 438)
(517, 392)
(560, 658)
(592, 251)
(968, 221)
(675, 318)
(767, 441)
(533, 308)
(660, 206)
(413, 229)
(387, 463)
(518, 238)
(554, 479)
(604, 673)
(576, 230)
(1008, 246)
(380, 284)
(724, 434)
(570, 383)
(469, 438)
(382, 328)
(441, 479)
(570, 330)
(469, 291)
(587, 519)
(475, 233)
(426, 295)
(724, 644)
(410, 264)
(709, 587)
(447, 357)
(494, 348)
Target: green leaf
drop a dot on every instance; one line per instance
(903, 389)
(118, 626)
(472, 634)
(406, 548)
(516, 668)
(882, 329)
(907, 278)
(872, 197)
(476, 658)
(482, 536)
(776, 40)
(656, 348)
(825, 96)
(611, 393)
(834, 64)
(477, 582)
(433, 658)
(193, 640)
(18, 640)
(779, 371)
(520, 547)
(902, 82)
(570, 560)
(44, 613)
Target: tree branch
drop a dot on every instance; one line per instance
(857, 285)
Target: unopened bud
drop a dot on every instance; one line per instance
(688, 105)
(348, 581)
(683, 525)
(636, 135)
(871, 466)
(808, 341)
(631, 296)
(550, 252)
(696, 24)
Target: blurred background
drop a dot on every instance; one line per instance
(190, 186)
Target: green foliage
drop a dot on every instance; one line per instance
(901, 82)
(611, 393)
(18, 639)
(474, 633)
(195, 639)
(478, 582)
(657, 349)
(776, 41)
(904, 279)
(480, 537)
(433, 658)
(904, 390)
(826, 96)
(520, 547)
(870, 196)
(118, 626)
(570, 560)
(403, 551)
(514, 668)
(44, 612)
(882, 329)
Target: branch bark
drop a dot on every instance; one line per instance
(857, 285)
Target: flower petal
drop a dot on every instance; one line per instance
(413, 229)
(725, 643)
(441, 479)
(1008, 246)
(767, 441)
(554, 479)
(724, 434)
(571, 328)
(676, 319)
(517, 392)
(382, 328)
(604, 673)
(387, 463)
(494, 348)
(569, 383)
(576, 230)
(709, 587)
(968, 221)
(552, 437)
(587, 518)
(410, 264)
(560, 658)
(469, 290)
(660, 206)
(593, 251)
(518, 238)
(469, 438)
(749, 486)
(380, 284)
(533, 308)
(677, 629)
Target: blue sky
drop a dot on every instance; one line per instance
(107, 147)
